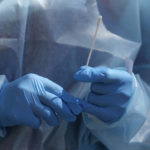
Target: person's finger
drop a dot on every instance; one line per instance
(51, 86)
(59, 91)
(72, 102)
(58, 106)
(32, 121)
(108, 114)
(99, 100)
(90, 74)
(100, 74)
(29, 118)
(104, 88)
(107, 100)
(49, 116)
(103, 100)
(43, 112)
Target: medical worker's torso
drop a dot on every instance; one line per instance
(52, 39)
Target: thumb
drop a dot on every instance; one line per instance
(107, 115)
(90, 74)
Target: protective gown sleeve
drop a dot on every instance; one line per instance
(3, 82)
(132, 131)
(127, 132)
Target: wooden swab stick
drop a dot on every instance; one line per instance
(91, 50)
(94, 39)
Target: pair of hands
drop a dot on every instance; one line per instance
(31, 97)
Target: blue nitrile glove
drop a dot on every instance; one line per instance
(31, 97)
(111, 90)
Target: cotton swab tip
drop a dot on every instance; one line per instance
(99, 20)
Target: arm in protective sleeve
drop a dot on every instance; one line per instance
(132, 130)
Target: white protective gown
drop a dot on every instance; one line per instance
(52, 38)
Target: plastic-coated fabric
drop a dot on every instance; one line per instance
(52, 38)
(111, 91)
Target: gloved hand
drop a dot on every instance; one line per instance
(111, 90)
(31, 97)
